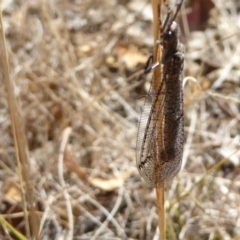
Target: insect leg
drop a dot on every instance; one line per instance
(149, 69)
(150, 59)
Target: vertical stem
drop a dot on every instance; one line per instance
(157, 79)
(20, 143)
(161, 212)
(155, 6)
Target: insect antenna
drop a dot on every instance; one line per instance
(169, 12)
(167, 23)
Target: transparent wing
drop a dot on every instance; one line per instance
(149, 139)
(160, 133)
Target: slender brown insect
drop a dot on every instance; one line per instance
(160, 133)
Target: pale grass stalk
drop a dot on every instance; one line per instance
(65, 137)
(20, 144)
(157, 79)
(102, 209)
(161, 212)
(111, 215)
(189, 140)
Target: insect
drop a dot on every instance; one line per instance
(160, 133)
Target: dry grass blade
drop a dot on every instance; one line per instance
(21, 148)
(9, 228)
(157, 5)
(65, 136)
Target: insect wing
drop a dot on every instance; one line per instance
(149, 139)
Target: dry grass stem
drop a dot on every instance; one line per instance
(20, 143)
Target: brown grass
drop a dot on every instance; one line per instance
(71, 63)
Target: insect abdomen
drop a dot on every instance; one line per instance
(173, 114)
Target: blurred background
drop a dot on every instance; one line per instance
(76, 66)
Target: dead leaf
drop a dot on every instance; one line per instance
(12, 192)
(109, 184)
(106, 185)
(131, 57)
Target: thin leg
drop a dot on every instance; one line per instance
(150, 59)
(147, 68)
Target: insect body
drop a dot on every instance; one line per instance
(160, 134)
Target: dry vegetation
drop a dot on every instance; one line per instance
(73, 64)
